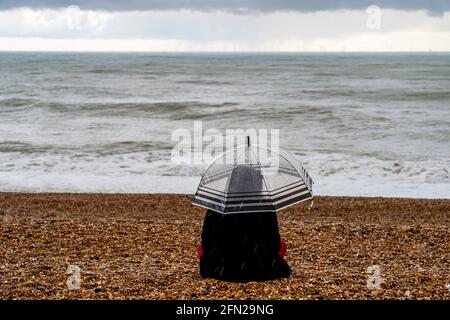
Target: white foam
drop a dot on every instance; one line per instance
(187, 185)
(13, 182)
(333, 174)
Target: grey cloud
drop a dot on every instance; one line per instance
(242, 6)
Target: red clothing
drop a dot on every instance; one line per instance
(283, 248)
(199, 251)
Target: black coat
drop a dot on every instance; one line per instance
(242, 247)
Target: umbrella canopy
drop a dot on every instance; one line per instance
(253, 179)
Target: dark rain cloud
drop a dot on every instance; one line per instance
(433, 6)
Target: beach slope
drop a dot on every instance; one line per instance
(144, 247)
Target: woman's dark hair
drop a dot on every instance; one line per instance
(242, 247)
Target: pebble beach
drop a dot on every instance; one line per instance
(144, 247)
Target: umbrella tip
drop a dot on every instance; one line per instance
(248, 141)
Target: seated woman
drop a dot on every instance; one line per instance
(242, 247)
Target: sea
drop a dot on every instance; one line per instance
(362, 124)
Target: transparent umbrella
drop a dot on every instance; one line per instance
(253, 179)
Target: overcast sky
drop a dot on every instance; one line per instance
(246, 25)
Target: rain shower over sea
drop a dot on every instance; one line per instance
(362, 124)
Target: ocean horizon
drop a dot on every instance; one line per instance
(362, 124)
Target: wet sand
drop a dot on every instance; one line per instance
(144, 247)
